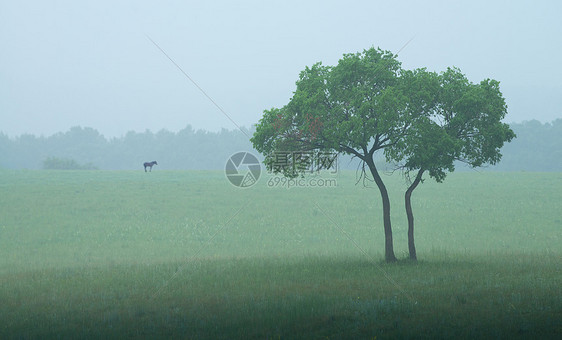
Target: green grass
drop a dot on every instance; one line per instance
(186, 255)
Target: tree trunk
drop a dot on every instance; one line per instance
(388, 245)
(410, 214)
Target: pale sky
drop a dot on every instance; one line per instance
(90, 63)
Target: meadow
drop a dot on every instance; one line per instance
(184, 254)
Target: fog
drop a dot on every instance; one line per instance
(279, 237)
(90, 63)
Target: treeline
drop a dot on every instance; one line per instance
(186, 149)
(538, 147)
(53, 163)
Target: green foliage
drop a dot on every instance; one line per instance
(460, 121)
(367, 102)
(53, 163)
(341, 108)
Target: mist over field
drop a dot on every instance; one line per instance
(291, 170)
(536, 148)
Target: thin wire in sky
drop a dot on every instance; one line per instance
(406, 44)
(196, 85)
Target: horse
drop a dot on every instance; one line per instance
(149, 165)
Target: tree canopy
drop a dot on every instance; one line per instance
(363, 104)
(463, 123)
(423, 121)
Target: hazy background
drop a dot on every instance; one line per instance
(89, 63)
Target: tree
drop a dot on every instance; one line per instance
(462, 124)
(53, 163)
(357, 107)
(538, 147)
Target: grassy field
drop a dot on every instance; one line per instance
(177, 254)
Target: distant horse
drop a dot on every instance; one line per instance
(149, 165)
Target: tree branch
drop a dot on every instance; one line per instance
(375, 147)
(352, 151)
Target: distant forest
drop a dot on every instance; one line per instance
(538, 147)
